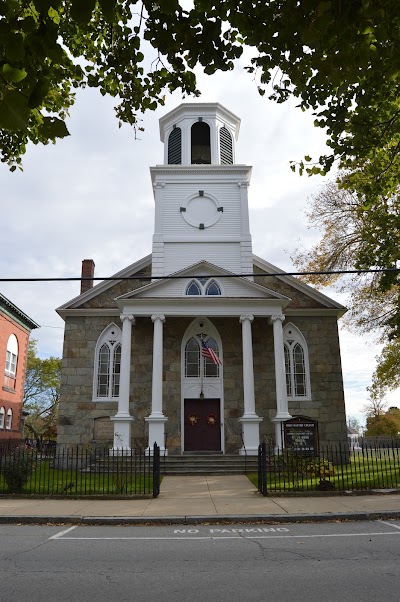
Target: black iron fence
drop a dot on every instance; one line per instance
(334, 468)
(78, 471)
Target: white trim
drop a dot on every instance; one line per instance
(11, 356)
(209, 383)
(2, 416)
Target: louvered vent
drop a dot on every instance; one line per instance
(225, 143)
(175, 147)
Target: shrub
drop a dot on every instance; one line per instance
(17, 467)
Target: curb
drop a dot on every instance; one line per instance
(198, 520)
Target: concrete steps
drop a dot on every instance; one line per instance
(208, 464)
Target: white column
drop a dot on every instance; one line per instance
(282, 412)
(156, 420)
(250, 421)
(123, 420)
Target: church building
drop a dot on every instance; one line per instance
(200, 346)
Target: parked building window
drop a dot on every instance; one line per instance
(203, 286)
(296, 364)
(2, 414)
(193, 288)
(107, 364)
(212, 288)
(192, 358)
(9, 418)
(11, 356)
(197, 365)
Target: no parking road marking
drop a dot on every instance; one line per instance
(218, 533)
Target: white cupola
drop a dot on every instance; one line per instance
(199, 134)
(200, 193)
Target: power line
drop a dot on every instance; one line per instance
(179, 277)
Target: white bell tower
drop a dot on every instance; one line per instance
(201, 202)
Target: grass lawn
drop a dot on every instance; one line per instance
(51, 481)
(375, 470)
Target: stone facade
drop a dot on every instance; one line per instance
(78, 413)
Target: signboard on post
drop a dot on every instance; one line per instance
(301, 435)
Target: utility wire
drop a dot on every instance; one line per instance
(179, 277)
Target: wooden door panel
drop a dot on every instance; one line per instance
(202, 425)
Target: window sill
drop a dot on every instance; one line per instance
(105, 399)
(8, 389)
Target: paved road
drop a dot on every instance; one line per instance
(311, 562)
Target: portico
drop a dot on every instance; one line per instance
(146, 305)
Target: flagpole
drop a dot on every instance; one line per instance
(202, 364)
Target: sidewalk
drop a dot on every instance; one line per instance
(197, 499)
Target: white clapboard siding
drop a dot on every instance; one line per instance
(181, 255)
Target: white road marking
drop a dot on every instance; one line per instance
(216, 537)
(61, 533)
(389, 524)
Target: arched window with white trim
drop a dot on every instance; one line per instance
(203, 286)
(107, 366)
(11, 356)
(198, 364)
(9, 419)
(2, 414)
(296, 364)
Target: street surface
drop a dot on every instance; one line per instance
(357, 561)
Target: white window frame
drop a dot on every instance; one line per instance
(204, 364)
(203, 284)
(292, 336)
(2, 415)
(9, 419)
(11, 356)
(111, 337)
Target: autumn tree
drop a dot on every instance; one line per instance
(41, 393)
(356, 235)
(341, 60)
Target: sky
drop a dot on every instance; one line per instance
(90, 197)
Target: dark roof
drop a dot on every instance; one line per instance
(13, 311)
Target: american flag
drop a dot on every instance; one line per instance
(210, 353)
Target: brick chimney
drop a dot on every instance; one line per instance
(87, 272)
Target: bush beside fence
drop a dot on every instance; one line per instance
(331, 469)
(77, 471)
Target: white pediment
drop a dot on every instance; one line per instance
(175, 285)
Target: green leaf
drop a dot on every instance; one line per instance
(14, 111)
(81, 10)
(108, 9)
(53, 128)
(13, 75)
(168, 6)
(15, 47)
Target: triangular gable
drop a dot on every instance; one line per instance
(293, 283)
(105, 285)
(232, 285)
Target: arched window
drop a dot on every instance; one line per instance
(203, 286)
(2, 414)
(201, 147)
(192, 358)
(107, 364)
(11, 356)
(193, 288)
(196, 364)
(212, 288)
(211, 369)
(225, 146)
(175, 147)
(296, 364)
(9, 419)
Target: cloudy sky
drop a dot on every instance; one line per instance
(90, 196)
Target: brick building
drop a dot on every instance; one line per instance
(207, 347)
(15, 327)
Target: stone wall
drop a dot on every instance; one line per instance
(78, 412)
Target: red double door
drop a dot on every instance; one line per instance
(202, 425)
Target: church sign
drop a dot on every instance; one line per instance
(301, 435)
